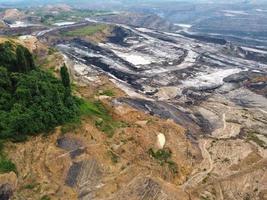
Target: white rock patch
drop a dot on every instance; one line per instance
(161, 140)
(208, 79)
(135, 59)
(63, 23)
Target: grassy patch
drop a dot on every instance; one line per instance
(163, 156)
(172, 166)
(6, 165)
(205, 180)
(109, 126)
(114, 158)
(96, 108)
(86, 109)
(226, 160)
(85, 31)
(205, 198)
(103, 120)
(253, 137)
(101, 116)
(30, 186)
(52, 50)
(45, 197)
(109, 93)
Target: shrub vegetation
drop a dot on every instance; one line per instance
(163, 156)
(31, 100)
(34, 101)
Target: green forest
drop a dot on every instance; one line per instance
(32, 100)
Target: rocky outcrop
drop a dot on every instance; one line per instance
(8, 185)
(161, 140)
(254, 81)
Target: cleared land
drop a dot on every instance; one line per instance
(86, 31)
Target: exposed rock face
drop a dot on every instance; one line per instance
(237, 78)
(118, 35)
(30, 42)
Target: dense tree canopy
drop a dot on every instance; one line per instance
(16, 58)
(31, 100)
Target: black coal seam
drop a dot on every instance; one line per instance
(103, 67)
(162, 37)
(206, 39)
(217, 59)
(158, 109)
(129, 78)
(92, 47)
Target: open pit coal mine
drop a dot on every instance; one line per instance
(173, 75)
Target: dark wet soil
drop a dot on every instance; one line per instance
(196, 126)
(73, 173)
(73, 145)
(206, 39)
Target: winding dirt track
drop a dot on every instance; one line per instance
(198, 177)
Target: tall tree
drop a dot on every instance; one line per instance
(29, 59)
(65, 76)
(5, 81)
(22, 64)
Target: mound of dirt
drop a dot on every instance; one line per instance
(58, 8)
(12, 14)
